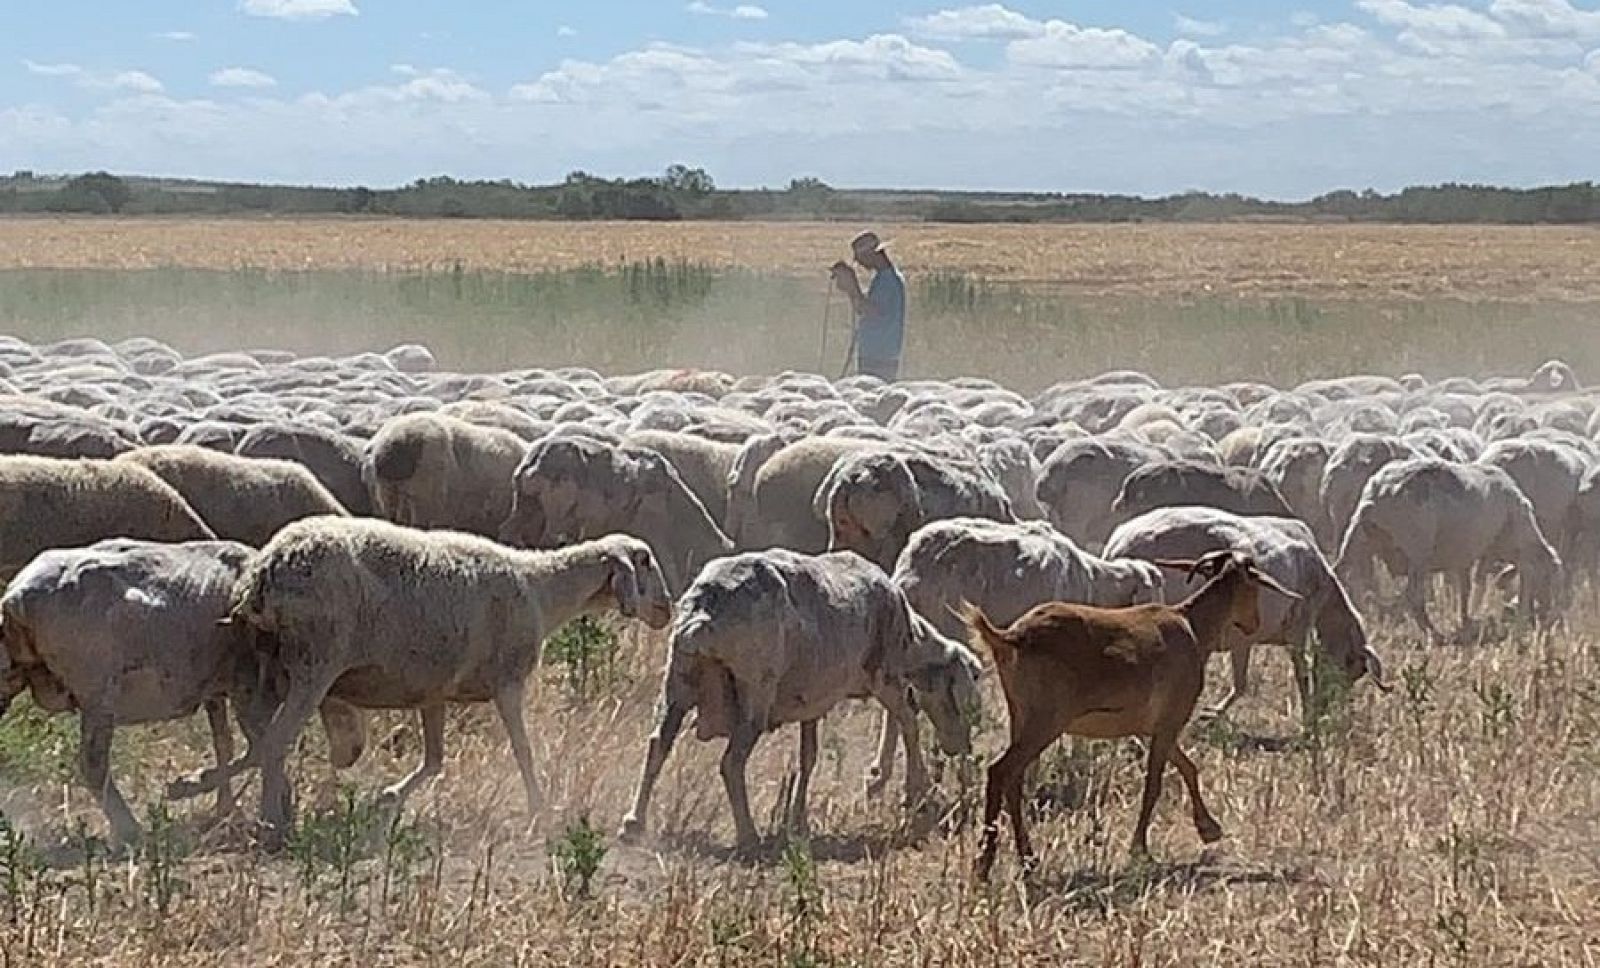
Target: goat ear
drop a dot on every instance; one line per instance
(1272, 583)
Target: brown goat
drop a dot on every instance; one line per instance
(1107, 673)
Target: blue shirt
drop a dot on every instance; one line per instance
(883, 325)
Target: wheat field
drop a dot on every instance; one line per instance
(1452, 822)
(1251, 260)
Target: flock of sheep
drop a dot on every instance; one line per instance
(295, 536)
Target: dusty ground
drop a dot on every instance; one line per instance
(1244, 260)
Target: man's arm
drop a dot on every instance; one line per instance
(844, 278)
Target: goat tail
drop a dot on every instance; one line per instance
(984, 636)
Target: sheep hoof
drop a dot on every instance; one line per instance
(632, 829)
(1210, 831)
(875, 784)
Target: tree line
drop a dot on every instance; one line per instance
(682, 192)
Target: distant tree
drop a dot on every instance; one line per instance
(113, 193)
(683, 180)
(808, 185)
(22, 175)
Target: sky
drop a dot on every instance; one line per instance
(1284, 99)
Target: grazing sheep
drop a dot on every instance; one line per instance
(1283, 548)
(386, 617)
(741, 484)
(1549, 475)
(874, 501)
(49, 503)
(782, 511)
(431, 471)
(570, 489)
(704, 465)
(242, 498)
(127, 632)
(332, 457)
(1424, 515)
(1006, 569)
(767, 638)
(1295, 466)
(1079, 481)
(1173, 483)
(1106, 673)
(1352, 462)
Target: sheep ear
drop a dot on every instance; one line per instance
(625, 585)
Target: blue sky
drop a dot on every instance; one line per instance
(1274, 98)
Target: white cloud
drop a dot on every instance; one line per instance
(1445, 20)
(1070, 47)
(991, 21)
(52, 70)
(566, 31)
(242, 77)
(137, 81)
(176, 36)
(1191, 27)
(1555, 19)
(299, 9)
(743, 11)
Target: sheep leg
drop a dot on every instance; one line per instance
(1161, 746)
(277, 797)
(1303, 685)
(1204, 823)
(222, 743)
(432, 757)
(1416, 599)
(796, 814)
(95, 727)
(1463, 583)
(899, 713)
(741, 741)
(654, 759)
(1239, 664)
(508, 701)
(883, 770)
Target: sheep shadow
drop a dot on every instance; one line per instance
(1090, 890)
(842, 847)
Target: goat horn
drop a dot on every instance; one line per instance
(1272, 583)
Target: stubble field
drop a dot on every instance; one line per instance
(1455, 821)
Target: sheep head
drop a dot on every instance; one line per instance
(568, 489)
(945, 685)
(873, 506)
(635, 582)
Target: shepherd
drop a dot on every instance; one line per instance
(880, 312)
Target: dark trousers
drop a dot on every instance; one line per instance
(886, 370)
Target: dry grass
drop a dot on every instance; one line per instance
(1233, 260)
(1450, 823)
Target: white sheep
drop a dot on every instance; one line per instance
(1424, 515)
(386, 617)
(431, 471)
(46, 502)
(767, 638)
(1283, 548)
(127, 632)
(571, 488)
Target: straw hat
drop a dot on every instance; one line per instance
(867, 242)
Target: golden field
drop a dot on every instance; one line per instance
(1168, 261)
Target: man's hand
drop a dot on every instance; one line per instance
(844, 278)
